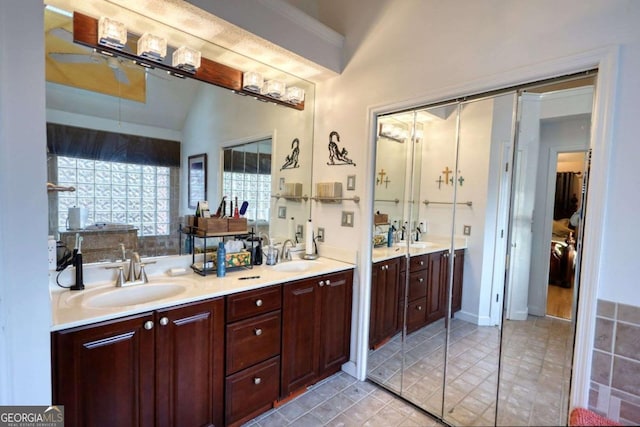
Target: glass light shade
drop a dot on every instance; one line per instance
(274, 88)
(111, 33)
(186, 59)
(386, 129)
(294, 95)
(252, 81)
(152, 47)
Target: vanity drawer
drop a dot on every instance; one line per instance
(418, 262)
(252, 303)
(416, 314)
(417, 285)
(252, 391)
(252, 340)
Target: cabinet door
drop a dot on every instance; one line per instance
(458, 274)
(300, 335)
(189, 364)
(335, 321)
(384, 301)
(104, 374)
(436, 289)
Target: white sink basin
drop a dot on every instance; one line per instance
(295, 266)
(421, 245)
(136, 294)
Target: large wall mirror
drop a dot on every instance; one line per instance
(138, 127)
(458, 187)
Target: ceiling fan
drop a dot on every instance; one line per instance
(93, 57)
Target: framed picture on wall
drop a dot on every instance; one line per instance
(197, 179)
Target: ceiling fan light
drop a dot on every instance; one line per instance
(274, 88)
(295, 95)
(252, 81)
(111, 33)
(152, 47)
(186, 59)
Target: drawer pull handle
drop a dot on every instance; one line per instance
(258, 332)
(257, 380)
(259, 303)
(164, 321)
(148, 325)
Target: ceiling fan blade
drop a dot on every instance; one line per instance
(61, 33)
(120, 76)
(74, 58)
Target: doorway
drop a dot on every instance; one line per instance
(569, 178)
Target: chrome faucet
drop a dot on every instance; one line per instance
(286, 253)
(131, 277)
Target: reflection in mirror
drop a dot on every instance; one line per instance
(484, 141)
(488, 198)
(544, 271)
(129, 177)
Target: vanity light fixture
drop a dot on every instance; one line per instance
(274, 88)
(111, 33)
(252, 81)
(294, 95)
(186, 59)
(395, 133)
(152, 47)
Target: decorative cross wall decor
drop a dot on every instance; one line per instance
(449, 180)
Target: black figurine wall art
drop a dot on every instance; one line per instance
(337, 156)
(291, 161)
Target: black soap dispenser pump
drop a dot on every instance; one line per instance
(77, 263)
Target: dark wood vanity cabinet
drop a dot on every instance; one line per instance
(316, 329)
(458, 273)
(161, 368)
(385, 292)
(253, 342)
(427, 297)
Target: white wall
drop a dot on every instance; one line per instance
(25, 312)
(423, 51)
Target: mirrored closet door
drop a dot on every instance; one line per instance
(455, 185)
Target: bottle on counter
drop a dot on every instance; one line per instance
(221, 260)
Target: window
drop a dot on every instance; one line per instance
(115, 192)
(247, 176)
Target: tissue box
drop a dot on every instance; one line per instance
(237, 259)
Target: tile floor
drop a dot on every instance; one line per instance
(536, 368)
(341, 400)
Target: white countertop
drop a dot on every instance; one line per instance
(73, 308)
(420, 248)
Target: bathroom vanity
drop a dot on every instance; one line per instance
(219, 352)
(427, 299)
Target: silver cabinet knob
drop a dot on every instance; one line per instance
(328, 282)
(259, 303)
(421, 262)
(258, 331)
(148, 325)
(419, 308)
(257, 380)
(421, 279)
(164, 321)
(321, 283)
